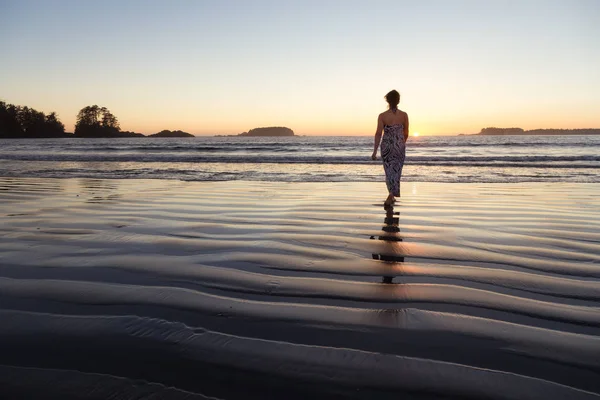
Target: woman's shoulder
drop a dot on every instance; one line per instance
(404, 114)
(389, 114)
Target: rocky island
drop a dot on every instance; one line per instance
(171, 134)
(269, 131)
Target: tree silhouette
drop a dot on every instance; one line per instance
(32, 122)
(9, 123)
(53, 125)
(25, 122)
(95, 121)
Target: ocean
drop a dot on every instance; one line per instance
(477, 159)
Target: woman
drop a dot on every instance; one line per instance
(393, 123)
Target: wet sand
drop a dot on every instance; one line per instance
(236, 290)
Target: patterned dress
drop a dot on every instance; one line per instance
(393, 151)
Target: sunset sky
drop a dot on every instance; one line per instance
(319, 67)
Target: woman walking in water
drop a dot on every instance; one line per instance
(393, 124)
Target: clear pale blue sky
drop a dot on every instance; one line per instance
(319, 67)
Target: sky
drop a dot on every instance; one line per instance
(318, 67)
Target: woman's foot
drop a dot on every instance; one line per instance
(389, 201)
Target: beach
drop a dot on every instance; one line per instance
(134, 288)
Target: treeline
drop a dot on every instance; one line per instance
(24, 122)
(92, 122)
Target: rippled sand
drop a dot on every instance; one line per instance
(235, 290)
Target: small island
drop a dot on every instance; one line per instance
(269, 131)
(519, 131)
(171, 134)
(98, 122)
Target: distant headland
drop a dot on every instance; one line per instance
(269, 131)
(520, 131)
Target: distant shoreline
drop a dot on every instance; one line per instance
(519, 131)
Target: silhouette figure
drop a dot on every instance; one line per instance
(393, 125)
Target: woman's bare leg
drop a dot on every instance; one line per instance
(390, 200)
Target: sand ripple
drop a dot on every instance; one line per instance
(175, 290)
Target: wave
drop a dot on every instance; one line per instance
(170, 149)
(292, 176)
(544, 161)
(279, 147)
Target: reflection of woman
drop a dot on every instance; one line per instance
(393, 123)
(388, 250)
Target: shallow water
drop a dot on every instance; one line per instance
(307, 159)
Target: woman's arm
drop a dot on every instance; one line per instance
(378, 133)
(406, 128)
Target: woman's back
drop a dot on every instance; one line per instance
(390, 117)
